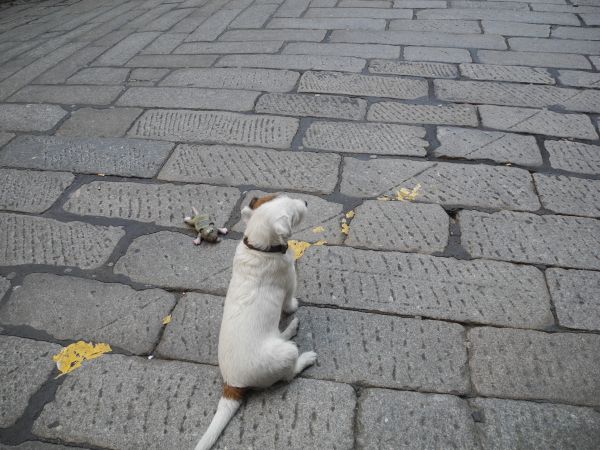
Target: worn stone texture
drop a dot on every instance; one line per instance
(358, 50)
(427, 114)
(312, 105)
(533, 365)
(87, 122)
(171, 61)
(496, 14)
(293, 62)
(579, 78)
(215, 126)
(33, 192)
(30, 117)
(373, 138)
(126, 157)
(231, 165)
(535, 59)
(529, 238)
(273, 35)
(376, 13)
(4, 286)
(35, 445)
(328, 23)
(576, 297)
(25, 366)
(69, 308)
(66, 95)
(416, 69)
(444, 26)
(437, 54)
(496, 146)
(574, 156)
(515, 28)
(126, 49)
(219, 48)
(506, 73)
(569, 195)
(384, 351)
(554, 45)
(5, 137)
(99, 75)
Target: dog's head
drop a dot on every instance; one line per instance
(270, 219)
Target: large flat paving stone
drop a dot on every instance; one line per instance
(110, 156)
(24, 368)
(529, 238)
(414, 69)
(172, 260)
(294, 62)
(333, 106)
(429, 114)
(404, 226)
(128, 402)
(444, 183)
(384, 351)
(496, 146)
(522, 364)
(29, 191)
(162, 204)
(30, 117)
(441, 288)
(535, 59)
(525, 425)
(411, 420)
(569, 195)
(215, 127)
(579, 78)
(574, 156)
(67, 95)
(576, 297)
(231, 165)
(36, 240)
(88, 122)
(373, 138)
(518, 74)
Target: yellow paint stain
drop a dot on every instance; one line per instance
(320, 242)
(318, 229)
(350, 214)
(345, 229)
(408, 194)
(299, 247)
(73, 356)
(167, 320)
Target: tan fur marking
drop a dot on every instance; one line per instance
(257, 201)
(233, 393)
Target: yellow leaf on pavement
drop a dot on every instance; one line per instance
(350, 214)
(72, 356)
(345, 229)
(167, 320)
(299, 247)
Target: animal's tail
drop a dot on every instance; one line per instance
(228, 405)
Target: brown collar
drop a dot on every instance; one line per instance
(272, 249)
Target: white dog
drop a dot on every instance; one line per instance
(253, 353)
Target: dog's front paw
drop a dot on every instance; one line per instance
(305, 360)
(291, 306)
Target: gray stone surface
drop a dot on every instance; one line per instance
(535, 59)
(523, 425)
(522, 237)
(537, 121)
(376, 13)
(312, 105)
(373, 138)
(416, 69)
(428, 114)
(174, 61)
(127, 157)
(576, 297)
(515, 28)
(146, 77)
(410, 284)
(384, 351)
(358, 50)
(569, 195)
(493, 145)
(30, 117)
(403, 226)
(36, 240)
(192, 98)
(4, 286)
(411, 420)
(437, 54)
(273, 35)
(66, 95)
(69, 308)
(99, 75)
(329, 23)
(177, 401)
(5, 137)
(35, 445)
(213, 26)
(554, 45)
(576, 33)
(362, 85)
(293, 62)
(444, 26)
(231, 165)
(533, 365)
(574, 156)
(24, 368)
(162, 204)
(33, 192)
(126, 49)
(496, 14)
(179, 262)
(111, 122)
(506, 73)
(215, 127)
(579, 78)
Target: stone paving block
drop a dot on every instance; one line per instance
(213, 26)
(420, 4)
(329, 24)
(292, 8)
(501, 4)
(99, 75)
(415, 69)
(312, 105)
(403, 226)
(274, 35)
(526, 364)
(590, 19)
(554, 45)
(36, 240)
(569, 195)
(349, 12)
(515, 28)
(69, 308)
(372, 138)
(231, 165)
(126, 49)
(177, 401)
(358, 50)
(178, 265)
(432, 114)
(595, 60)
(522, 237)
(438, 54)
(444, 26)
(293, 62)
(126, 157)
(574, 156)
(74, 94)
(576, 297)
(493, 145)
(30, 117)
(251, 79)
(411, 420)
(193, 98)
(579, 78)
(167, 20)
(503, 15)
(5, 138)
(215, 126)
(111, 122)
(24, 368)
(537, 121)
(357, 3)
(506, 73)
(35, 445)
(518, 424)
(196, 48)
(162, 204)
(254, 17)
(33, 192)
(174, 61)
(164, 44)
(535, 59)
(146, 76)
(576, 33)
(384, 351)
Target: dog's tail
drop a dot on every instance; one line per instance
(228, 405)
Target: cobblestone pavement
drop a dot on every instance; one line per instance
(468, 318)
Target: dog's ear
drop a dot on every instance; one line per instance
(246, 214)
(283, 227)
